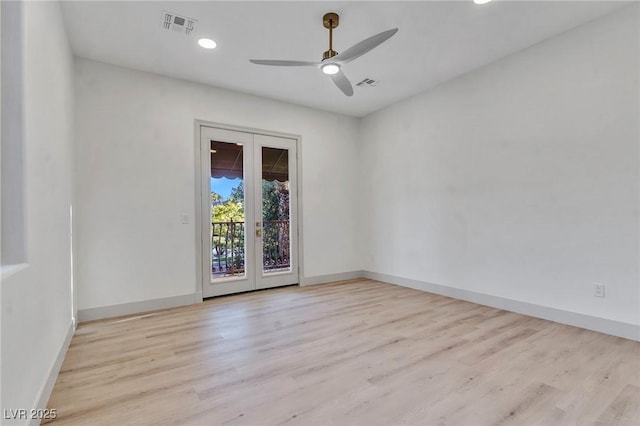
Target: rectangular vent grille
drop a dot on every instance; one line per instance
(367, 82)
(174, 22)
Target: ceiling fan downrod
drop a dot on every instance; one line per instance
(330, 20)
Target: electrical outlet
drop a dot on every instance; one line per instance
(598, 290)
(185, 219)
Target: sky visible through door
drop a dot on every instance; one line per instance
(223, 186)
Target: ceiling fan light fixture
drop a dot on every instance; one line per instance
(330, 69)
(207, 43)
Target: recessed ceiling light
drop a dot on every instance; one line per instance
(330, 69)
(207, 43)
(481, 1)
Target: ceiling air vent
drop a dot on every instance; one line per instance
(174, 22)
(367, 82)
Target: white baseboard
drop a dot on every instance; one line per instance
(323, 279)
(137, 307)
(602, 325)
(47, 387)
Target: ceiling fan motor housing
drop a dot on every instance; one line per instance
(328, 54)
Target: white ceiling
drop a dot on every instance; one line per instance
(436, 41)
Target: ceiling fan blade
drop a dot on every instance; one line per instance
(342, 82)
(364, 46)
(283, 63)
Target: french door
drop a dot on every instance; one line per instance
(249, 218)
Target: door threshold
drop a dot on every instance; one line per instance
(250, 291)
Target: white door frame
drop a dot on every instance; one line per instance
(200, 200)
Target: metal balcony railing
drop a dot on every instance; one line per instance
(276, 247)
(228, 247)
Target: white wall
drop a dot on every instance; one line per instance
(36, 300)
(12, 136)
(518, 180)
(135, 177)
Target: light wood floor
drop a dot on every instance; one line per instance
(358, 353)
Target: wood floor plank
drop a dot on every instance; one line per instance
(350, 353)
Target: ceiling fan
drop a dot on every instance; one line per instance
(332, 61)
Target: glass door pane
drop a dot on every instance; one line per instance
(276, 206)
(228, 230)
